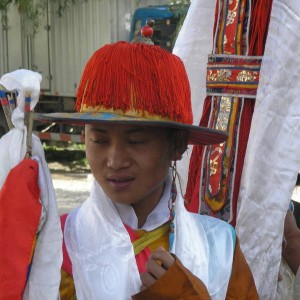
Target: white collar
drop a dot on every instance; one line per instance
(159, 215)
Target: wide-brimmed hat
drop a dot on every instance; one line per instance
(137, 84)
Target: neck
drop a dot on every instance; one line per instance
(143, 208)
(143, 212)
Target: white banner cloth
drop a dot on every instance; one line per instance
(44, 279)
(193, 44)
(297, 286)
(272, 158)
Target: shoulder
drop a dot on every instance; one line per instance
(210, 243)
(214, 227)
(211, 222)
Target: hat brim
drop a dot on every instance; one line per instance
(197, 135)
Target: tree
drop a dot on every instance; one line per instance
(34, 10)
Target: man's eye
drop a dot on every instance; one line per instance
(137, 142)
(98, 141)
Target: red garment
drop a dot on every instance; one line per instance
(143, 256)
(20, 211)
(66, 265)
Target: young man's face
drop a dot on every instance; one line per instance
(129, 162)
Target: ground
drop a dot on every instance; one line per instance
(71, 184)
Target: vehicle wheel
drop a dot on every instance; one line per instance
(3, 125)
(2, 131)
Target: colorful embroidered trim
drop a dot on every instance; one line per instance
(220, 156)
(231, 75)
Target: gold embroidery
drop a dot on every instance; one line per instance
(230, 18)
(224, 113)
(231, 15)
(246, 76)
(221, 75)
(213, 162)
(225, 40)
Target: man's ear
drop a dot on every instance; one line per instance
(180, 142)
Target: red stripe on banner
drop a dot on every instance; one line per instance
(76, 138)
(4, 102)
(27, 103)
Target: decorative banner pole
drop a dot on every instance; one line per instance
(31, 237)
(28, 123)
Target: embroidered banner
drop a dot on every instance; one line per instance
(217, 178)
(232, 75)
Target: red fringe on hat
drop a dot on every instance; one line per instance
(141, 77)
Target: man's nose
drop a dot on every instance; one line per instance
(118, 157)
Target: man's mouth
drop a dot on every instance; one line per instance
(120, 182)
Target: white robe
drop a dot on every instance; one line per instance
(102, 256)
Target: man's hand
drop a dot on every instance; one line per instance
(159, 262)
(291, 247)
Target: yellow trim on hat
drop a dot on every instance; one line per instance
(129, 113)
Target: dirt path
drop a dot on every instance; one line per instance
(71, 187)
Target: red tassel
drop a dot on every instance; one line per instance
(140, 77)
(259, 25)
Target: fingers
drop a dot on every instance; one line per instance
(147, 279)
(155, 268)
(290, 225)
(157, 265)
(164, 257)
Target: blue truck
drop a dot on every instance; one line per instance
(167, 18)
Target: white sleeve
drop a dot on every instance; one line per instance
(297, 286)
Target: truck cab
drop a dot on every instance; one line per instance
(166, 21)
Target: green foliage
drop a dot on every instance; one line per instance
(71, 154)
(4, 4)
(34, 10)
(64, 4)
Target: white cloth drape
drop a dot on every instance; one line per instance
(297, 286)
(193, 44)
(102, 254)
(272, 159)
